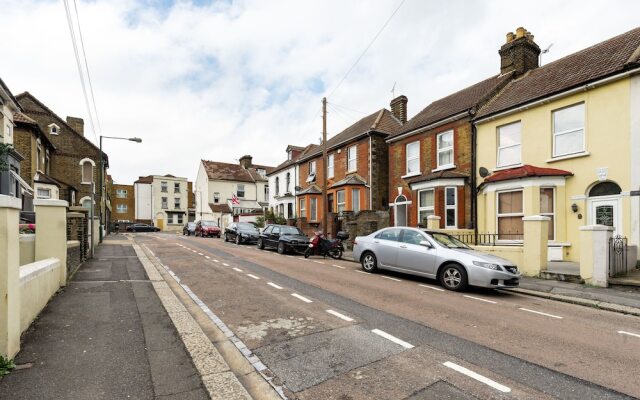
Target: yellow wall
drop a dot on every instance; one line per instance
(39, 281)
(607, 143)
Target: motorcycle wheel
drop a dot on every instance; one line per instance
(307, 253)
(335, 253)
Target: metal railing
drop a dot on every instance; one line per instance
(617, 256)
(490, 239)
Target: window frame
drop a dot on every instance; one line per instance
(122, 208)
(164, 203)
(555, 134)
(303, 207)
(164, 187)
(176, 187)
(238, 190)
(330, 165)
(176, 203)
(83, 172)
(444, 150)
(499, 148)
(355, 206)
(551, 215)
(453, 207)
(509, 215)
(313, 208)
(353, 148)
(119, 193)
(341, 204)
(415, 158)
(39, 196)
(422, 208)
(277, 185)
(288, 183)
(312, 167)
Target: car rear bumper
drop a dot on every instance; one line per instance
(484, 277)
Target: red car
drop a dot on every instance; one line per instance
(207, 228)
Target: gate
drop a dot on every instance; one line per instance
(617, 256)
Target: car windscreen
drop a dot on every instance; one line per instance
(448, 241)
(290, 230)
(209, 223)
(246, 227)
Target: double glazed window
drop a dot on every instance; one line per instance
(547, 209)
(44, 193)
(165, 204)
(425, 205)
(510, 225)
(121, 208)
(121, 193)
(313, 208)
(163, 187)
(355, 200)
(303, 208)
(330, 169)
(176, 187)
(509, 142)
(352, 162)
(312, 168)
(176, 203)
(340, 200)
(445, 149)
(451, 207)
(568, 130)
(413, 157)
(240, 191)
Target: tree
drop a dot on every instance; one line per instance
(4, 152)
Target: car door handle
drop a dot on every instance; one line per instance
(375, 241)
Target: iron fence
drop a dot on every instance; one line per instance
(617, 256)
(489, 239)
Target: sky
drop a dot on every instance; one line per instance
(217, 80)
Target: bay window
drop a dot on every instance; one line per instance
(340, 201)
(355, 200)
(510, 213)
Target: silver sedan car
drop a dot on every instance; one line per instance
(434, 255)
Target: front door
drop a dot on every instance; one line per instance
(401, 215)
(605, 212)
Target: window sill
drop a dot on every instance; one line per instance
(444, 168)
(568, 156)
(410, 175)
(507, 167)
(86, 183)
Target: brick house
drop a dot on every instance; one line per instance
(283, 180)
(432, 160)
(123, 203)
(75, 163)
(357, 169)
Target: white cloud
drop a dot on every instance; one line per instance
(228, 79)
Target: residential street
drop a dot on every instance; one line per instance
(326, 329)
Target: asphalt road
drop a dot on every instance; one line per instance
(326, 329)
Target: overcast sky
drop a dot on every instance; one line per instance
(216, 80)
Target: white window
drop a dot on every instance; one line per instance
(510, 225)
(121, 208)
(163, 187)
(352, 162)
(413, 157)
(288, 188)
(425, 205)
(509, 145)
(451, 207)
(176, 203)
(165, 204)
(330, 169)
(240, 192)
(547, 209)
(277, 185)
(313, 208)
(179, 218)
(121, 193)
(87, 172)
(568, 130)
(266, 192)
(312, 167)
(445, 149)
(303, 208)
(341, 201)
(176, 187)
(54, 129)
(44, 193)
(355, 200)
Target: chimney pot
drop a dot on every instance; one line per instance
(245, 161)
(399, 108)
(520, 32)
(510, 37)
(520, 54)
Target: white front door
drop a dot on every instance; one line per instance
(605, 211)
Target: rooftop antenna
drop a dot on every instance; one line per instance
(393, 90)
(545, 51)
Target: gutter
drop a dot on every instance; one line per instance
(474, 189)
(567, 93)
(430, 126)
(370, 177)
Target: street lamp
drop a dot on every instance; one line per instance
(133, 139)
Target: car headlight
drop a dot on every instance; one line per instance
(487, 265)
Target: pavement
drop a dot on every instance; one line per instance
(108, 335)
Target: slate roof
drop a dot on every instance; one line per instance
(382, 121)
(313, 189)
(466, 99)
(350, 180)
(145, 179)
(43, 178)
(288, 163)
(221, 171)
(447, 174)
(20, 118)
(525, 171)
(604, 59)
(221, 208)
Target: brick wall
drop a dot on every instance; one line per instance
(129, 201)
(74, 258)
(78, 229)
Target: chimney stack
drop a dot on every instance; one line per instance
(520, 53)
(77, 124)
(399, 108)
(245, 161)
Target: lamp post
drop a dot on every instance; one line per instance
(102, 203)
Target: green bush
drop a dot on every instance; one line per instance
(6, 365)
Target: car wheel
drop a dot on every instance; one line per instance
(260, 244)
(226, 237)
(280, 247)
(369, 262)
(237, 239)
(453, 277)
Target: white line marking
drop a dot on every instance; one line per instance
(341, 316)
(337, 266)
(274, 285)
(237, 269)
(361, 272)
(297, 296)
(289, 256)
(629, 333)
(539, 312)
(253, 276)
(392, 338)
(225, 264)
(207, 257)
(431, 287)
(478, 298)
(477, 377)
(194, 251)
(200, 254)
(188, 248)
(318, 262)
(214, 260)
(390, 278)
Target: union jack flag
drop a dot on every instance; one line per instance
(234, 199)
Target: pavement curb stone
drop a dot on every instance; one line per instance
(216, 376)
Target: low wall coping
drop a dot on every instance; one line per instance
(433, 217)
(74, 214)
(31, 271)
(73, 243)
(27, 237)
(10, 202)
(50, 203)
(536, 218)
(596, 228)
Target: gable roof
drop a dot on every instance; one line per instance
(145, 179)
(604, 59)
(469, 98)
(221, 171)
(288, 163)
(382, 121)
(5, 88)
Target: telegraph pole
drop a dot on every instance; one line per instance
(325, 205)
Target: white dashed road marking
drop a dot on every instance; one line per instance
(392, 338)
(337, 266)
(390, 278)
(274, 285)
(478, 298)
(341, 316)
(629, 333)
(237, 269)
(207, 257)
(200, 254)
(225, 264)
(477, 377)
(297, 296)
(318, 262)
(253, 276)
(361, 272)
(214, 260)
(194, 251)
(540, 312)
(431, 287)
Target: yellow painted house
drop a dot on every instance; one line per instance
(563, 141)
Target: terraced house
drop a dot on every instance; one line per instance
(563, 141)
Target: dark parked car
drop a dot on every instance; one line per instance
(241, 232)
(283, 238)
(189, 229)
(207, 228)
(142, 228)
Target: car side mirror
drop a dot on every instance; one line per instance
(426, 244)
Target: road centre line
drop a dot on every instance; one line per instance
(431, 287)
(476, 376)
(540, 312)
(392, 338)
(318, 262)
(253, 276)
(200, 254)
(237, 269)
(207, 257)
(225, 264)
(341, 316)
(214, 260)
(361, 272)
(274, 285)
(480, 299)
(390, 278)
(629, 333)
(297, 296)
(337, 266)
(194, 251)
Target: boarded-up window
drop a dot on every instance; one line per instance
(87, 172)
(510, 226)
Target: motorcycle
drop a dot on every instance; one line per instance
(324, 247)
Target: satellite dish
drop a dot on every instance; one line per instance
(484, 172)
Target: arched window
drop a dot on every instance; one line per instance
(277, 185)
(288, 182)
(86, 169)
(605, 189)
